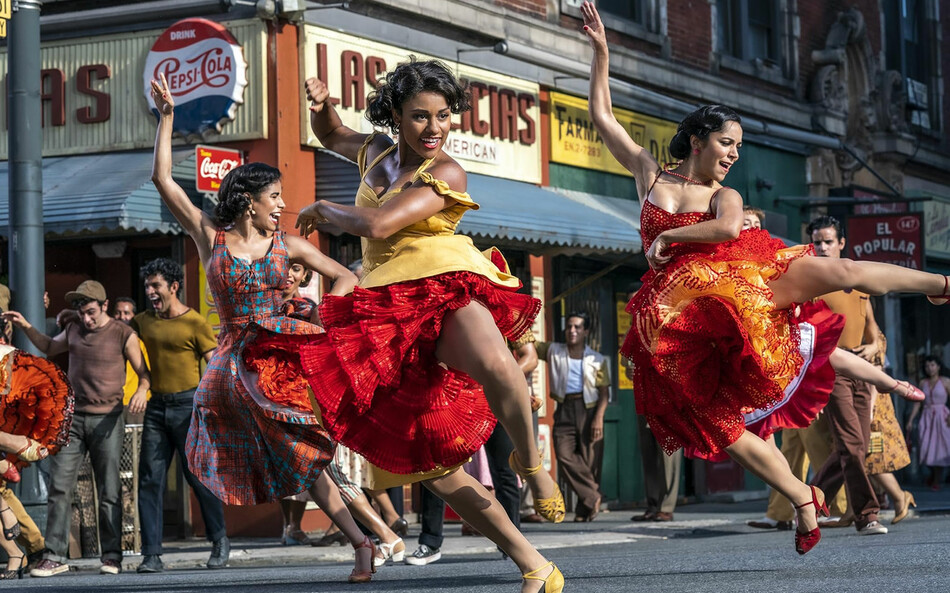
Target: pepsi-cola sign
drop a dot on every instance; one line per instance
(206, 73)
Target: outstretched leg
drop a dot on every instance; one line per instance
(326, 494)
(481, 510)
(810, 277)
(470, 342)
(758, 457)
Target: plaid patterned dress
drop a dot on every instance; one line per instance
(246, 448)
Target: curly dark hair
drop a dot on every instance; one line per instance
(825, 222)
(409, 79)
(700, 123)
(239, 187)
(164, 267)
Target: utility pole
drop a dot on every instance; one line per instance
(25, 150)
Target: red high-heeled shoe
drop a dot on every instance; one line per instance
(366, 575)
(910, 392)
(10, 474)
(941, 299)
(806, 541)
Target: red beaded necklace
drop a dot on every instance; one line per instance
(685, 178)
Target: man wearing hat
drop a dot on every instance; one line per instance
(99, 348)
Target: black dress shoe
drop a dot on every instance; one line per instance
(647, 516)
(220, 552)
(400, 527)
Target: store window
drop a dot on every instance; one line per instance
(908, 30)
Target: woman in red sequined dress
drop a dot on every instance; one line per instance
(714, 333)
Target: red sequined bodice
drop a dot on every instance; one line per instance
(654, 220)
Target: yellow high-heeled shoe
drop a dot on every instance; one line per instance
(551, 508)
(32, 451)
(902, 513)
(553, 583)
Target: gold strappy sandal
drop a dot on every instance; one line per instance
(553, 583)
(32, 451)
(552, 508)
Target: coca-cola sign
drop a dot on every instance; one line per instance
(212, 164)
(206, 73)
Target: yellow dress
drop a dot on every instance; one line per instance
(374, 375)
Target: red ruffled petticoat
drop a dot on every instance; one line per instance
(381, 390)
(36, 401)
(807, 394)
(707, 344)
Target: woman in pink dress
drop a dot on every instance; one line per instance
(933, 431)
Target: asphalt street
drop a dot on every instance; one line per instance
(706, 552)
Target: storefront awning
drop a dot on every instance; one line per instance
(103, 193)
(517, 213)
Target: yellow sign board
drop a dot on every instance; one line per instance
(6, 11)
(3, 27)
(499, 136)
(575, 141)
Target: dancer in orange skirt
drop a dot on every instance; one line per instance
(414, 367)
(713, 333)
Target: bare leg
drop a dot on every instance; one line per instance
(471, 343)
(889, 483)
(11, 443)
(292, 512)
(755, 455)
(386, 508)
(363, 512)
(777, 452)
(810, 277)
(326, 494)
(478, 507)
(14, 553)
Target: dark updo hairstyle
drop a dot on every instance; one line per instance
(700, 123)
(408, 80)
(239, 187)
(941, 370)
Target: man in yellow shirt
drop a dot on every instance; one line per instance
(177, 338)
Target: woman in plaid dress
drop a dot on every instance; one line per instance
(244, 447)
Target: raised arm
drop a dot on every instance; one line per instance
(727, 204)
(418, 202)
(327, 125)
(303, 252)
(196, 223)
(47, 345)
(631, 155)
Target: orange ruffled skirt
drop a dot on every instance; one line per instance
(374, 374)
(707, 344)
(36, 401)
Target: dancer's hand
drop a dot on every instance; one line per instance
(593, 27)
(656, 253)
(162, 96)
(309, 218)
(317, 94)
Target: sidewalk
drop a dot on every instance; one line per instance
(611, 527)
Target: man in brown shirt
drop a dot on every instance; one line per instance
(849, 407)
(99, 348)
